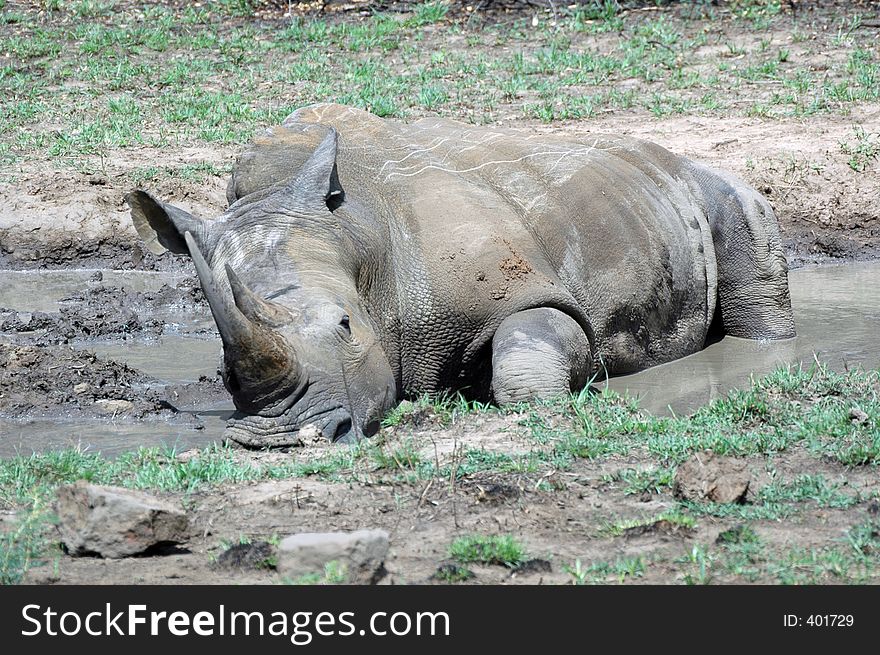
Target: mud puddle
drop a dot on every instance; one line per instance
(41, 290)
(74, 340)
(837, 314)
(170, 358)
(837, 311)
(109, 438)
(189, 406)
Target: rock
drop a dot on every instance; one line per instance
(707, 476)
(858, 416)
(189, 455)
(534, 566)
(81, 388)
(361, 553)
(114, 522)
(113, 407)
(258, 555)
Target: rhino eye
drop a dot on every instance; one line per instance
(345, 323)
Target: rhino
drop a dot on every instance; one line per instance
(363, 260)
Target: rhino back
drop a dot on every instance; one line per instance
(484, 223)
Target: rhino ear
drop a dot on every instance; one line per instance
(162, 226)
(318, 179)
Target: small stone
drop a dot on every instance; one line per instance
(707, 476)
(310, 432)
(113, 407)
(258, 555)
(81, 388)
(188, 455)
(361, 553)
(114, 522)
(858, 416)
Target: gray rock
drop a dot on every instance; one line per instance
(361, 554)
(114, 522)
(707, 476)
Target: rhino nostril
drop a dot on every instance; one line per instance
(371, 428)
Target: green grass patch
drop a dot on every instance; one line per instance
(334, 573)
(498, 550)
(793, 405)
(649, 480)
(26, 543)
(740, 534)
(24, 478)
(862, 149)
(452, 573)
(436, 409)
(671, 521)
(779, 500)
(214, 74)
(602, 572)
(739, 554)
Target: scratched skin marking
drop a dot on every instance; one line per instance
(563, 154)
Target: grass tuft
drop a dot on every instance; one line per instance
(498, 550)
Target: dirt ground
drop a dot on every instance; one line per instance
(578, 515)
(580, 523)
(826, 210)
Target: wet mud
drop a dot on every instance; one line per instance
(112, 360)
(41, 382)
(110, 313)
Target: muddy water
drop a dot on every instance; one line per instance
(40, 291)
(173, 358)
(837, 314)
(170, 358)
(107, 437)
(837, 311)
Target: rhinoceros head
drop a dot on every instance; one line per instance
(280, 274)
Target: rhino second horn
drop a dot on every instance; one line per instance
(259, 359)
(250, 304)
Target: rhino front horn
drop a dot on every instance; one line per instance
(258, 361)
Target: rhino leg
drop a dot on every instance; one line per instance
(539, 353)
(753, 296)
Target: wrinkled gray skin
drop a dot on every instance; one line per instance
(363, 260)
